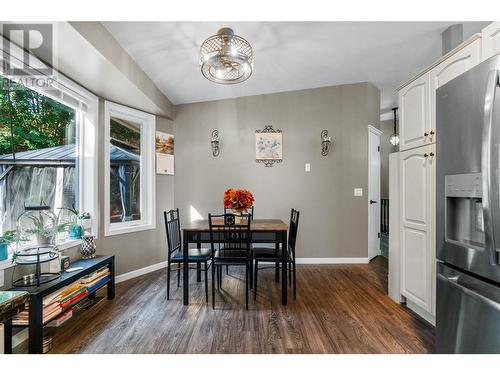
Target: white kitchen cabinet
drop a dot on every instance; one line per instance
(417, 232)
(414, 113)
(490, 39)
(454, 65)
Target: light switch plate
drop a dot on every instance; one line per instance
(358, 192)
(308, 167)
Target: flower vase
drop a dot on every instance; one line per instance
(88, 248)
(4, 251)
(237, 216)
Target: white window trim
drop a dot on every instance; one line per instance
(87, 135)
(147, 123)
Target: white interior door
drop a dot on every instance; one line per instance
(373, 192)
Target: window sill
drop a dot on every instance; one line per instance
(7, 263)
(110, 231)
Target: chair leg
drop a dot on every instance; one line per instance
(206, 282)
(256, 268)
(168, 281)
(218, 277)
(178, 275)
(247, 271)
(294, 281)
(277, 272)
(251, 272)
(213, 286)
(198, 271)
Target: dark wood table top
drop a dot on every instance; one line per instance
(66, 278)
(257, 225)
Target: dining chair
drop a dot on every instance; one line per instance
(231, 245)
(273, 255)
(228, 211)
(176, 255)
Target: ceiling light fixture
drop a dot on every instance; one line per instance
(226, 58)
(394, 139)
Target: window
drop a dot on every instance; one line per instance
(47, 148)
(129, 170)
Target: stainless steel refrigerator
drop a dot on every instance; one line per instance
(468, 211)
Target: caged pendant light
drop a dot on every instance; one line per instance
(394, 139)
(226, 58)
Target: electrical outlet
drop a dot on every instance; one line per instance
(308, 167)
(358, 192)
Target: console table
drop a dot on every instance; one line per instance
(36, 295)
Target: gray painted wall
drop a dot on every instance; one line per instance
(387, 127)
(138, 249)
(333, 222)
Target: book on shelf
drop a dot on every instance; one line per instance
(89, 279)
(73, 299)
(98, 284)
(61, 319)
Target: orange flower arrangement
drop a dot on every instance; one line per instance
(238, 200)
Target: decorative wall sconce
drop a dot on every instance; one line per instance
(215, 143)
(325, 143)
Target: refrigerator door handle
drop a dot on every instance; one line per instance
(472, 287)
(489, 170)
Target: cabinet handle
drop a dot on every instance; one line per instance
(426, 155)
(426, 134)
(431, 154)
(431, 135)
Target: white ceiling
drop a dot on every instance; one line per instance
(288, 55)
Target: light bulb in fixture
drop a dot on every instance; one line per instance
(394, 140)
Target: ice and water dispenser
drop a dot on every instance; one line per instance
(464, 210)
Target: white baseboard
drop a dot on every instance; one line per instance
(332, 261)
(140, 272)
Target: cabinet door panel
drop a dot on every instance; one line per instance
(452, 67)
(415, 265)
(490, 39)
(417, 175)
(414, 113)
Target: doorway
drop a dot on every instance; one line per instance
(374, 203)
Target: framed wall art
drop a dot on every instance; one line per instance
(164, 145)
(268, 146)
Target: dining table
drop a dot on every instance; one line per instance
(263, 231)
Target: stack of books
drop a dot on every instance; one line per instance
(56, 302)
(71, 294)
(95, 280)
(50, 310)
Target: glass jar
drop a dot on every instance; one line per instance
(36, 226)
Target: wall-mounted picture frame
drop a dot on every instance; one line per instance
(164, 145)
(268, 146)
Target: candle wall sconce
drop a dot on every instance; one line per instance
(215, 143)
(325, 143)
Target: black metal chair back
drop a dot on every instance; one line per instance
(228, 237)
(226, 211)
(173, 228)
(292, 234)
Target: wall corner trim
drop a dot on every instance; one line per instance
(140, 272)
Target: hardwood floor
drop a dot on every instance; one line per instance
(339, 309)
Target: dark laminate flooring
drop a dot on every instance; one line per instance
(339, 309)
